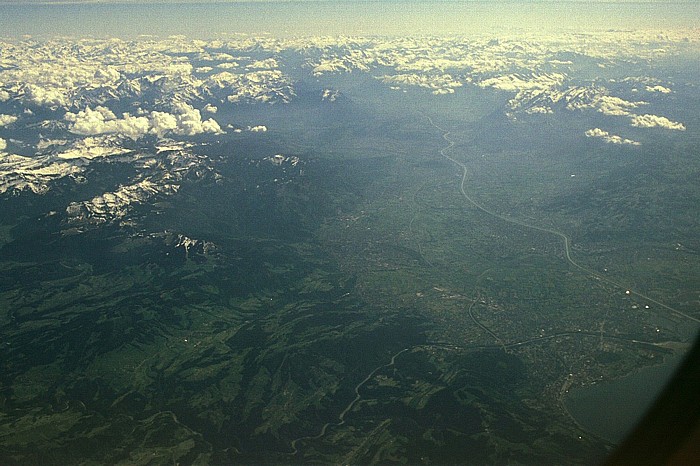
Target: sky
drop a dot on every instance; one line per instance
(40, 2)
(109, 18)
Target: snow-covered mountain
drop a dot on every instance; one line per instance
(68, 103)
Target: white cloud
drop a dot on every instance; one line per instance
(653, 121)
(103, 121)
(211, 126)
(609, 138)
(162, 122)
(100, 113)
(7, 119)
(189, 121)
(186, 120)
(4, 96)
(48, 97)
(210, 108)
(259, 129)
(3, 144)
(611, 105)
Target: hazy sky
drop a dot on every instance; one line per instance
(204, 19)
(16, 2)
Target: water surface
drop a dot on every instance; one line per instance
(611, 409)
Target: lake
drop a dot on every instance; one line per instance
(610, 409)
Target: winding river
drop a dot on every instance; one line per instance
(608, 409)
(564, 238)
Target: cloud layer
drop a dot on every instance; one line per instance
(7, 119)
(185, 120)
(609, 138)
(654, 121)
